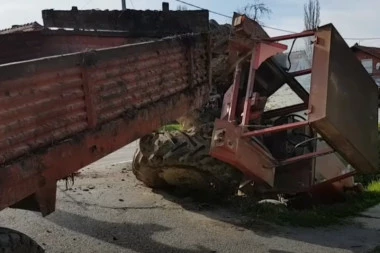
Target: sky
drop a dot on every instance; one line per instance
(352, 18)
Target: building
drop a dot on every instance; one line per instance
(23, 28)
(370, 58)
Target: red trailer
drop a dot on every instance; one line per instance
(70, 97)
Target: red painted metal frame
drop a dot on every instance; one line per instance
(301, 72)
(256, 59)
(284, 111)
(330, 181)
(235, 92)
(261, 52)
(276, 129)
(231, 137)
(228, 146)
(307, 156)
(318, 187)
(292, 36)
(240, 146)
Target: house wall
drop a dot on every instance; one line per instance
(375, 61)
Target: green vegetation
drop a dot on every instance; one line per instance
(321, 215)
(366, 180)
(375, 250)
(171, 128)
(374, 187)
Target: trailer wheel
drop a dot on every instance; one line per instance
(12, 241)
(181, 159)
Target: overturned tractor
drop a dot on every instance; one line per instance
(314, 147)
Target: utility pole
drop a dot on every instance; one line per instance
(123, 5)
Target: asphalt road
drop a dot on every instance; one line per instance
(107, 210)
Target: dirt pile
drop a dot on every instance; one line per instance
(220, 35)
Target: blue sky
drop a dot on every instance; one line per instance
(352, 18)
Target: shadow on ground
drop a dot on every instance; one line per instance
(136, 237)
(353, 236)
(139, 237)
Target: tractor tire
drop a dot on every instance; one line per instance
(181, 159)
(12, 241)
(146, 174)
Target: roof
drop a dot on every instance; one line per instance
(374, 51)
(34, 26)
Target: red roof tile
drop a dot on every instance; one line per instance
(374, 51)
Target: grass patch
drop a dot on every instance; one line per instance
(367, 179)
(374, 186)
(321, 215)
(171, 128)
(375, 250)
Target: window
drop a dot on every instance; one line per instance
(367, 64)
(377, 80)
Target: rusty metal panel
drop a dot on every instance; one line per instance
(20, 178)
(245, 154)
(47, 100)
(146, 74)
(37, 44)
(136, 22)
(343, 101)
(39, 109)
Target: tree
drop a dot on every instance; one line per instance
(255, 10)
(311, 14)
(311, 21)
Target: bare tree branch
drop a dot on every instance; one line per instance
(255, 10)
(311, 14)
(311, 21)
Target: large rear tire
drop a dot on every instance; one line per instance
(12, 241)
(181, 159)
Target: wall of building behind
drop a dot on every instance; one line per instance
(371, 64)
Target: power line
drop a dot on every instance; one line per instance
(278, 29)
(89, 1)
(226, 16)
(376, 38)
(269, 27)
(217, 13)
(132, 4)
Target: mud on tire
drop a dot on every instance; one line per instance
(12, 241)
(181, 159)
